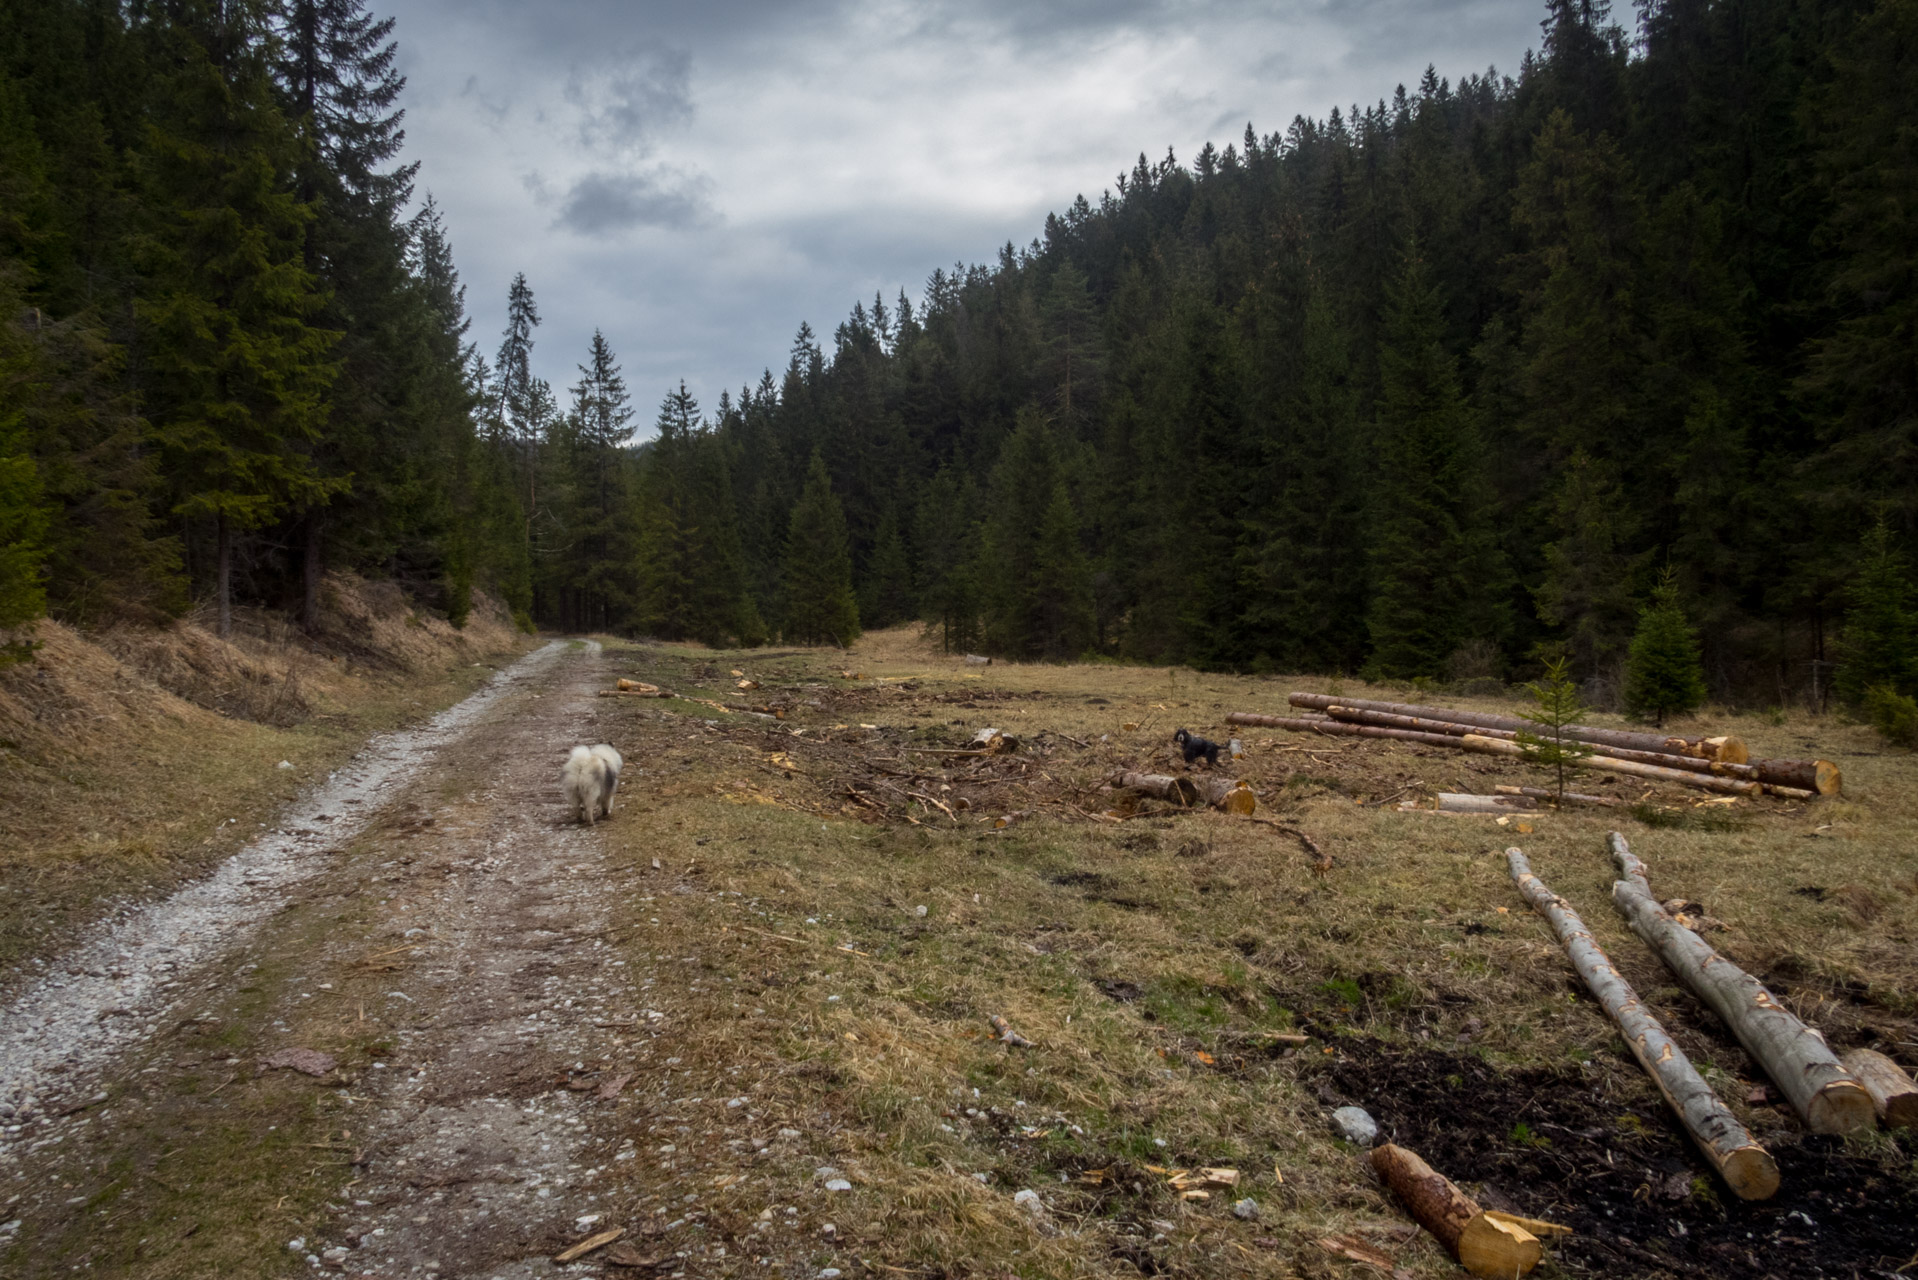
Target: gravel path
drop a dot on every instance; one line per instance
(113, 990)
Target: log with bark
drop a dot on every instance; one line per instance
(1795, 1056)
(1746, 1167)
(1483, 745)
(1461, 802)
(1222, 793)
(1664, 759)
(1484, 1245)
(1893, 1095)
(1730, 750)
(1545, 793)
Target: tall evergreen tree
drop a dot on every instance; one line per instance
(238, 370)
(818, 579)
(1436, 573)
(1662, 672)
(1879, 647)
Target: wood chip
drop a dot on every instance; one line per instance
(609, 1089)
(1356, 1250)
(589, 1244)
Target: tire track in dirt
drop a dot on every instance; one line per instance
(110, 993)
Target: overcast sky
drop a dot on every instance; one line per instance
(695, 179)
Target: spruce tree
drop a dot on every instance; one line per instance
(1436, 572)
(239, 369)
(819, 605)
(1878, 647)
(1555, 708)
(1663, 676)
(887, 598)
(946, 537)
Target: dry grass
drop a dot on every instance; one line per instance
(1151, 959)
(133, 760)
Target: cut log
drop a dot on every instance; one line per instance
(1665, 759)
(1222, 793)
(1460, 802)
(1794, 1055)
(1893, 1094)
(635, 686)
(1819, 776)
(993, 742)
(1544, 793)
(1746, 1167)
(977, 660)
(1483, 1245)
(1730, 750)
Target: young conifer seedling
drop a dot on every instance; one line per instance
(1556, 709)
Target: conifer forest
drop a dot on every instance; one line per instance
(1445, 385)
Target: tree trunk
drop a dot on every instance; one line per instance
(1489, 746)
(1820, 776)
(1225, 793)
(1893, 1095)
(224, 574)
(310, 575)
(1546, 793)
(1483, 1245)
(1461, 802)
(1746, 1167)
(1664, 759)
(1794, 1055)
(1729, 750)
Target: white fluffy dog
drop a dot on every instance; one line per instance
(590, 778)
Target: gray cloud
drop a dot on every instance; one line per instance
(603, 204)
(853, 147)
(625, 109)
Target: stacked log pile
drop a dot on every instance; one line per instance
(1719, 764)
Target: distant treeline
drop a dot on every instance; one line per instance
(1432, 388)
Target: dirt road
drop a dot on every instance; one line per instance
(475, 968)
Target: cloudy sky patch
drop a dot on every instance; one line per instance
(695, 180)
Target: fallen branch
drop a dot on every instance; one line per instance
(1321, 860)
(1482, 1244)
(1794, 1055)
(1746, 1167)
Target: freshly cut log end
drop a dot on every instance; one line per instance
(1483, 1245)
(1892, 1092)
(1843, 1106)
(1751, 1173)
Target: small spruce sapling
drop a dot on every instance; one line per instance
(1663, 674)
(1557, 708)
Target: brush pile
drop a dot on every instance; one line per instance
(1719, 764)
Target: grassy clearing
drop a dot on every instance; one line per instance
(1152, 959)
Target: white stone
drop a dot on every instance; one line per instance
(1356, 1126)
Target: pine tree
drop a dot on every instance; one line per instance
(1435, 571)
(1061, 583)
(1879, 645)
(819, 604)
(887, 598)
(1663, 676)
(946, 537)
(23, 510)
(1555, 708)
(239, 370)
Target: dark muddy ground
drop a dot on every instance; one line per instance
(1624, 1177)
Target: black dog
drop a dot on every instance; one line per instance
(1194, 747)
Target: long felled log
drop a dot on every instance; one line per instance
(1746, 1167)
(1664, 759)
(1730, 750)
(1484, 745)
(1570, 797)
(1484, 1245)
(1794, 1055)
